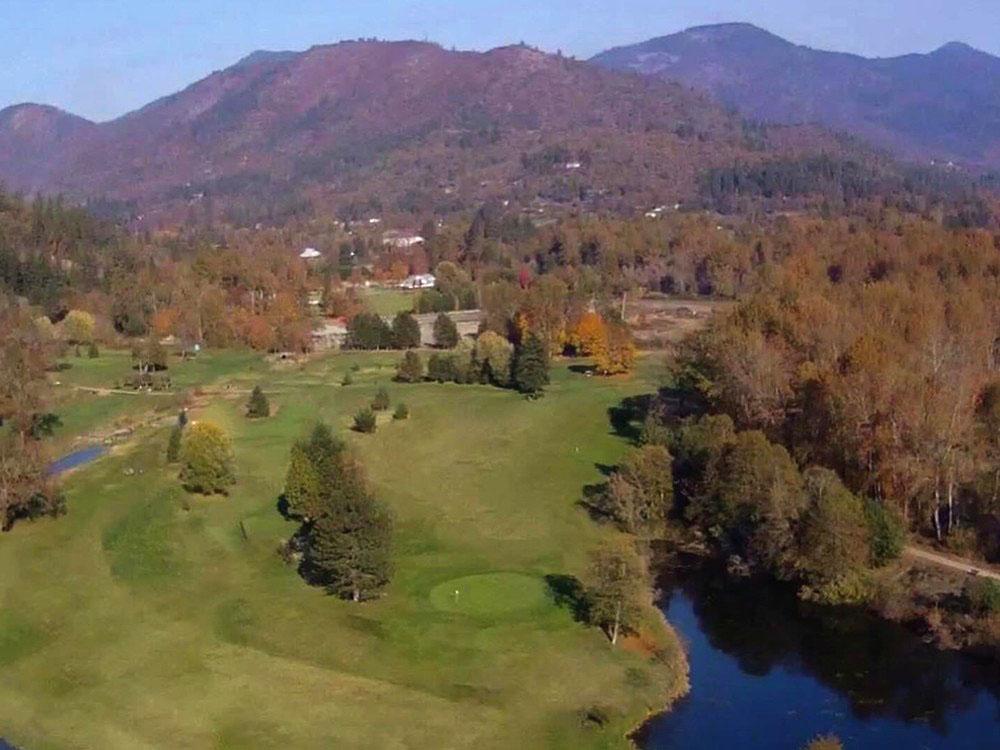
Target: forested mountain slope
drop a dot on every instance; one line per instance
(941, 105)
(361, 127)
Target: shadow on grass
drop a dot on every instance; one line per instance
(626, 417)
(592, 501)
(567, 591)
(666, 406)
(282, 506)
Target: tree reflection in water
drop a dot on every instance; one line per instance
(882, 675)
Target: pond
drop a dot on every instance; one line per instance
(768, 671)
(74, 460)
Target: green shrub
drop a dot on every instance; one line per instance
(983, 596)
(347, 379)
(402, 412)
(381, 400)
(92, 351)
(364, 421)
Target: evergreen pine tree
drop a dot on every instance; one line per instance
(445, 332)
(258, 406)
(531, 367)
(174, 444)
(405, 331)
(349, 549)
(324, 451)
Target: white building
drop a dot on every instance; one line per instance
(394, 239)
(310, 253)
(419, 281)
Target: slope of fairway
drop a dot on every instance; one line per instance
(147, 618)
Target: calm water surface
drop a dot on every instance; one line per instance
(768, 672)
(72, 461)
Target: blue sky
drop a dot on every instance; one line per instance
(101, 58)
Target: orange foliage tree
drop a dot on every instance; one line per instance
(616, 352)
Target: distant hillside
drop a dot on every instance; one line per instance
(364, 127)
(943, 105)
(33, 139)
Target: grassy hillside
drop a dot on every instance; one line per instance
(145, 619)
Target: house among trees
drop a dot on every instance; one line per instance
(330, 335)
(419, 281)
(398, 239)
(310, 253)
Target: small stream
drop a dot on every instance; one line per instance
(770, 672)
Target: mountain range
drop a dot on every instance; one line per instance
(365, 127)
(943, 105)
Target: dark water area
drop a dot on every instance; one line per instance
(4, 745)
(770, 672)
(72, 461)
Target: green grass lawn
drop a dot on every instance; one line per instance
(389, 301)
(144, 619)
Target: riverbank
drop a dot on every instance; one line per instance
(932, 601)
(926, 598)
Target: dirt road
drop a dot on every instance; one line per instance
(953, 563)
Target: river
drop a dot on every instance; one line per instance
(768, 671)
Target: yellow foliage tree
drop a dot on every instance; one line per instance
(616, 354)
(79, 327)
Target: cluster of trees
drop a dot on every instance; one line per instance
(492, 359)
(877, 358)
(345, 533)
(220, 289)
(608, 342)
(747, 497)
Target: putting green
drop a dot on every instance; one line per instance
(490, 594)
